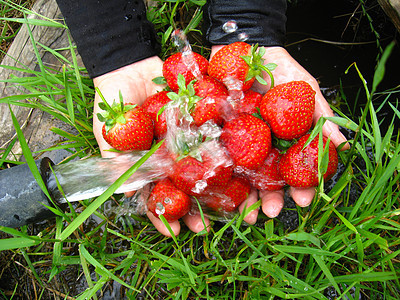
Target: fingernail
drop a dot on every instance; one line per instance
(274, 211)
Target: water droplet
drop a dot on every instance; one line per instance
(230, 26)
(128, 17)
(160, 209)
(243, 36)
(167, 200)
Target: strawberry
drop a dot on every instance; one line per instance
(213, 94)
(152, 106)
(190, 66)
(195, 175)
(229, 197)
(238, 63)
(126, 127)
(267, 176)
(165, 199)
(288, 108)
(299, 165)
(247, 140)
(249, 103)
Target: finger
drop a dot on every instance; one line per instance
(329, 129)
(195, 222)
(214, 49)
(272, 202)
(251, 217)
(159, 225)
(302, 196)
(129, 194)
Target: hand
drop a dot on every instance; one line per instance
(288, 69)
(135, 83)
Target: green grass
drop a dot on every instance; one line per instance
(9, 29)
(346, 243)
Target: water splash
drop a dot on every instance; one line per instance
(235, 88)
(91, 177)
(183, 45)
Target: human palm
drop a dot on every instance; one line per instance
(135, 84)
(288, 69)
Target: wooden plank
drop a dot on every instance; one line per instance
(392, 10)
(36, 124)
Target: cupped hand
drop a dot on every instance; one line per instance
(135, 83)
(288, 69)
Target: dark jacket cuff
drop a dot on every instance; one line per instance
(109, 34)
(262, 22)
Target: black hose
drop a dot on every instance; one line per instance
(21, 198)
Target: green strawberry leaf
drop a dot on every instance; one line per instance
(159, 80)
(121, 119)
(173, 96)
(261, 80)
(129, 107)
(261, 51)
(271, 66)
(102, 106)
(101, 117)
(247, 59)
(121, 100)
(109, 124)
(258, 114)
(181, 82)
(281, 144)
(191, 88)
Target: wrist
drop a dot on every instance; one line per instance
(147, 68)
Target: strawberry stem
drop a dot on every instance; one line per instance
(109, 108)
(269, 74)
(255, 61)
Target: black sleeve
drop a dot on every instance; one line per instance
(260, 21)
(109, 34)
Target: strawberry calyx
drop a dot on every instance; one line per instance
(282, 144)
(160, 80)
(185, 99)
(255, 61)
(115, 113)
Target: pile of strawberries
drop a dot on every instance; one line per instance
(219, 133)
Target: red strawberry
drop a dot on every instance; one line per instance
(195, 175)
(247, 139)
(152, 106)
(185, 65)
(165, 199)
(213, 94)
(288, 108)
(238, 62)
(127, 127)
(249, 103)
(299, 167)
(229, 197)
(267, 176)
